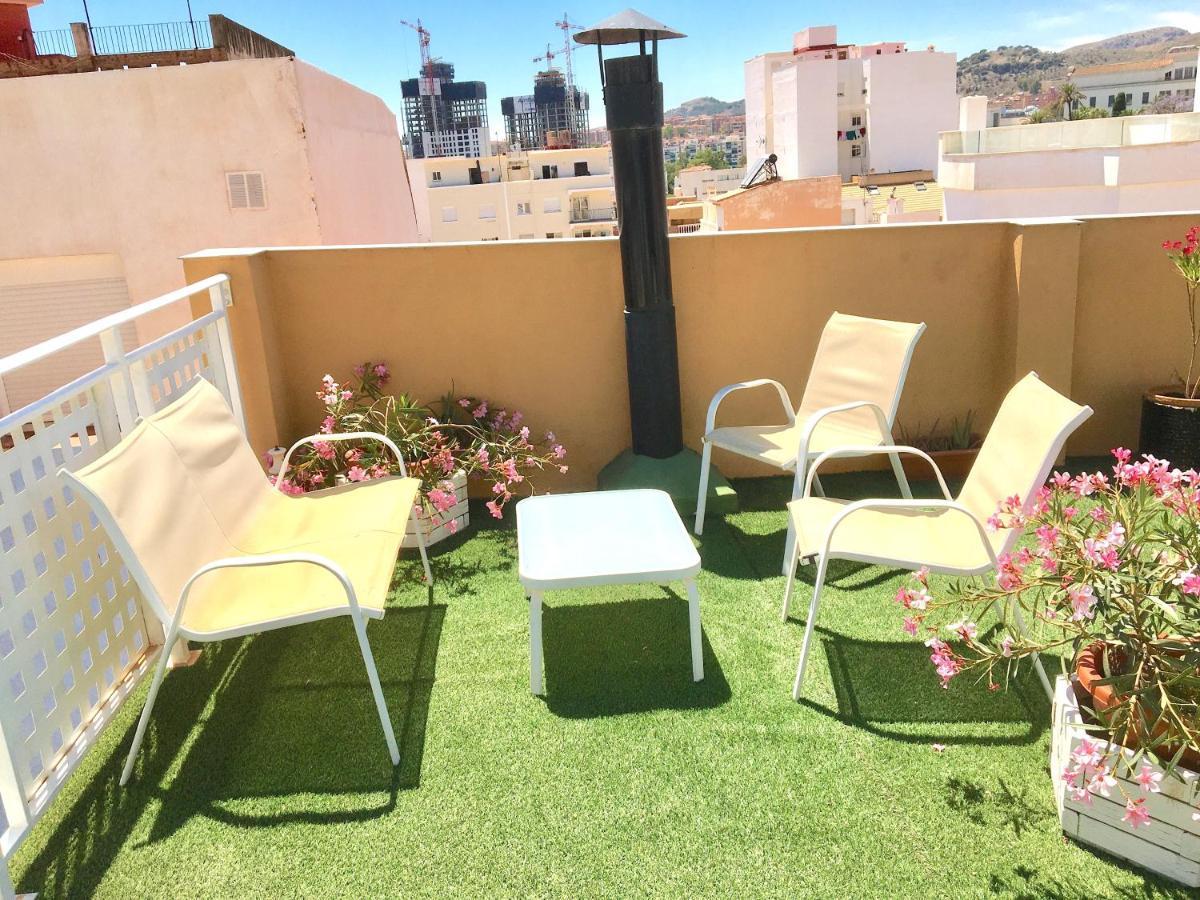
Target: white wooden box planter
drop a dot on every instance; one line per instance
(1169, 845)
(459, 514)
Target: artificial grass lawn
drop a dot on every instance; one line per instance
(264, 772)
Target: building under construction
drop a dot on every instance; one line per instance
(553, 117)
(444, 117)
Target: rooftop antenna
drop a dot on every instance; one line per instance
(426, 69)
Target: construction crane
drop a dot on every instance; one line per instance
(566, 25)
(548, 56)
(426, 70)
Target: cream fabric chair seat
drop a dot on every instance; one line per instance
(779, 445)
(218, 553)
(940, 538)
(949, 534)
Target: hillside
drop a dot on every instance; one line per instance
(708, 106)
(1023, 68)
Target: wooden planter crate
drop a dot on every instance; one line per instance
(1169, 845)
(459, 514)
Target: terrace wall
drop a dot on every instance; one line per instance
(1092, 305)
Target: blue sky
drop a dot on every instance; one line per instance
(364, 42)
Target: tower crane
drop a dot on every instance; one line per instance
(426, 69)
(548, 56)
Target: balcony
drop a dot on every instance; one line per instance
(263, 772)
(593, 214)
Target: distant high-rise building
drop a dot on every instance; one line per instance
(552, 117)
(444, 117)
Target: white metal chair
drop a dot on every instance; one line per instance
(218, 554)
(850, 398)
(946, 535)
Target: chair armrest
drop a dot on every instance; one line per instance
(710, 421)
(951, 505)
(811, 423)
(271, 559)
(335, 438)
(870, 450)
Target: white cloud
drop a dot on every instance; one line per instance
(1188, 20)
(1053, 22)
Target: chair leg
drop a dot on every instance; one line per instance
(1037, 659)
(797, 490)
(810, 626)
(360, 629)
(694, 629)
(790, 568)
(818, 488)
(702, 491)
(901, 478)
(420, 533)
(160, 669)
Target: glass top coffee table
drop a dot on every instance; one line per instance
(583, 540)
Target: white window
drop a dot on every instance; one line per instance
(449, 214)
(856, 149)
(487, 211)
(524, 209)
(246, 190)
(856, 120)
(525, 237)
(550, 235)
(552, 205)
(437, 176)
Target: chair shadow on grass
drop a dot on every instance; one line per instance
(609, 659)
(296, 717)
(888, 687)
(287, 713)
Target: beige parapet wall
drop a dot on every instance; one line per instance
(1092, 305)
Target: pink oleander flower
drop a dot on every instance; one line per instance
(442, 500)
(1082, 600)
(559, 451)
(562, 470)
(1136, 813)
(1189, 582)
(381, 372)
(324, 449)
(464, 402)
(360, 370)
(1102, 782)
(910, 625)
(494, 509)
(1006, 645)
(480, 411)
(964, 629)
(289, 487)
(328, 424)
(356, 473)
(1149, 779)
(922, 575)
(353, 455)
(317, 478)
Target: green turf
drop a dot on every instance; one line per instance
(264, 772)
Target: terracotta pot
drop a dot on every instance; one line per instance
(1171, 427)
(1089, 669)
(955, 464)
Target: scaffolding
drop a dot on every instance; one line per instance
(443, 117)
(553, 117)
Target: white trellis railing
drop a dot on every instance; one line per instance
(73, 636)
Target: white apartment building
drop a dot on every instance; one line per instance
(1131, 164)
(521, 195)
(704, 181)
(1141, 81)
(826, 108)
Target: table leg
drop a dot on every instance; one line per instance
(694, 627)
(535, 643)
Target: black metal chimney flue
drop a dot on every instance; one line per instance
(633, 103)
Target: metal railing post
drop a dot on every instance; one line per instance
(16, 814)
(119, 384)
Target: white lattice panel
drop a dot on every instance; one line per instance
(170, 366)
(71, 624)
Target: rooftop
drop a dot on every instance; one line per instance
(1123, 131)
(1132, 65)
(917, 196)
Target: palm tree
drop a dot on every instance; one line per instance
(1070, 97)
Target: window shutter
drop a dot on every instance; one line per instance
(237, 190)
(247, 190)
(256, 190)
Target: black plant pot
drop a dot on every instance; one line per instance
(1171, 428)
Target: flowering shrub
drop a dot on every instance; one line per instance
(1108, 560)
(467, 434)
(1186, 256)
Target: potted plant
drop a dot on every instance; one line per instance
(1111, 577)
(954, 449)
(464, 437)
(1171, 414)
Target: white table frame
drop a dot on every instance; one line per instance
(535, 590)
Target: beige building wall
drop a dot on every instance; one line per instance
(999, 298)
(134, 162)
(796, 203)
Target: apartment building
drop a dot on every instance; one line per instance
(1130, 164)
(444, 117)
(520, 195)
(826, 108)
(114, 165)
(1142, 83)
(698, 182)
(554, 116)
